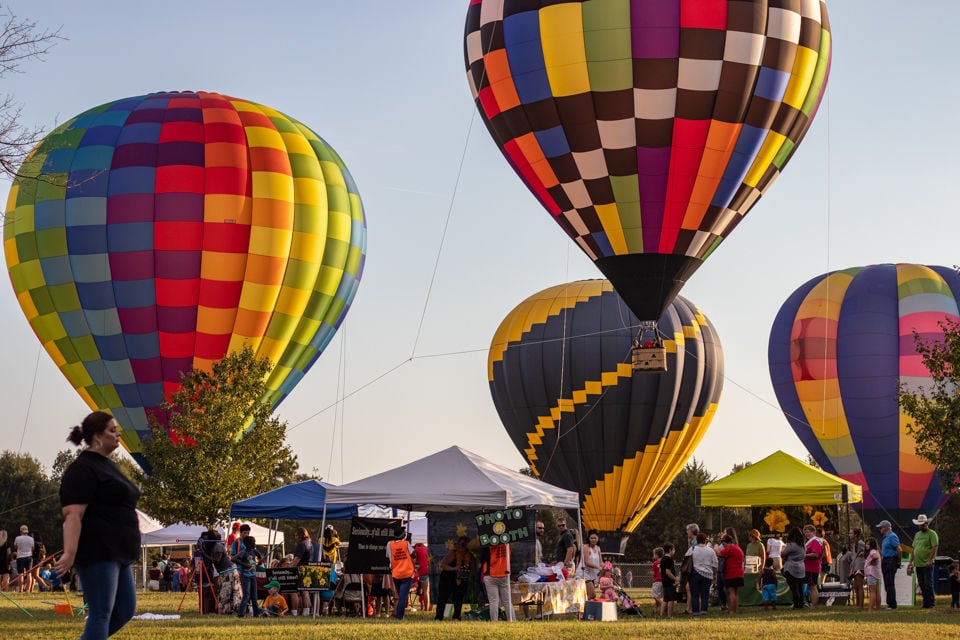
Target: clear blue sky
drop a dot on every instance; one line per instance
(384, 83)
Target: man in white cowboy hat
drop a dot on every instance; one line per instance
(925, 545)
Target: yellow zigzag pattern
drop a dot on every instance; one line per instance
(590, 388)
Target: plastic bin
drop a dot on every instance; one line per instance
(941, 575)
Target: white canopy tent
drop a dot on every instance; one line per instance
(147, 524)
(453, 480)
(180, 534)
(187, 534)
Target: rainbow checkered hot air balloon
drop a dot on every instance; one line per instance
(154, 234)
(647, 128)
(838, 348)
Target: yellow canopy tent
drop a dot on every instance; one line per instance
(778, 479)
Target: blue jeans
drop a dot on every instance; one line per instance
(925, 579)
(403, 592)
(699, 592)
(248, 584)
(110, 595)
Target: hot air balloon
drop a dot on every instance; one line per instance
(561, 379)
(838, 347)
(649, 129)
(154, 234)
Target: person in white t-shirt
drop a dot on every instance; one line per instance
(23, 544)
(774, 544)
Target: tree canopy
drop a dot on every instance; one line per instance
(224, 445)
(28, 496)
(935, 407)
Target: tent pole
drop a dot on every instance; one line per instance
(323, 524)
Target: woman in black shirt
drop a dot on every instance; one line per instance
(101, 533)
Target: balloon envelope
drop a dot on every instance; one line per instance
(561, 378)
(154, 234)
(647, 129)
(838, 348)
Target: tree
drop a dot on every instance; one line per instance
(20, 41)
(207, 461)
(668, 519)
(935, 408)
(65, 457)
(28, 496)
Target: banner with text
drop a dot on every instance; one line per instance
(503, 527)
(368, 544)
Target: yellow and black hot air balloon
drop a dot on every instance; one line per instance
(561, 378)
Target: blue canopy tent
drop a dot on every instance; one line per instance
(299, 501)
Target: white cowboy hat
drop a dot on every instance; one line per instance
(921, 519)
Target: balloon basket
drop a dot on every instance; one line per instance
(649, 359)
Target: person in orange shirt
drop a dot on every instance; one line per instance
(495, 569)
(274, 605)
(400, 555)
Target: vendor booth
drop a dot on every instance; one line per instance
(456, 480)
(777, 481)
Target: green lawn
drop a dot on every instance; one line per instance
(824, 623)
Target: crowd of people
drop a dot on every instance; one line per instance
(101, 541)
(803, 556)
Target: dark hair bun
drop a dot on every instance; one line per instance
(76, 435)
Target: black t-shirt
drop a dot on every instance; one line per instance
(667, 564)
(564, 543)
(109, 529)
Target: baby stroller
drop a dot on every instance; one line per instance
(347, 597)
(612, 591)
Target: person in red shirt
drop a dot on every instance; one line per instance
(234, 535)
(422, 558)
(732, 570)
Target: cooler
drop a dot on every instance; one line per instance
(600, 610)
(834, 594)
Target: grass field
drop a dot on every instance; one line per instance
(825, 623)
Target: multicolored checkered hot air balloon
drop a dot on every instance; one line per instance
(838, 348)
(152, 235)
(647, 128)
(562, 381)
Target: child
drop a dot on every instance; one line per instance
(657, 590)
(670, 580)
(955, 586)
(605, 584)
(871, 573)
(768, 579)
(274, 605)
(247, 563)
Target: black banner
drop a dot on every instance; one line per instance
(288, 577)
(368, 544)
(502, 527)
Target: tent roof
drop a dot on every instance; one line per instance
(183, 534)
(452, 480)
(778, 479)
(300, 501)
(147, 523)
